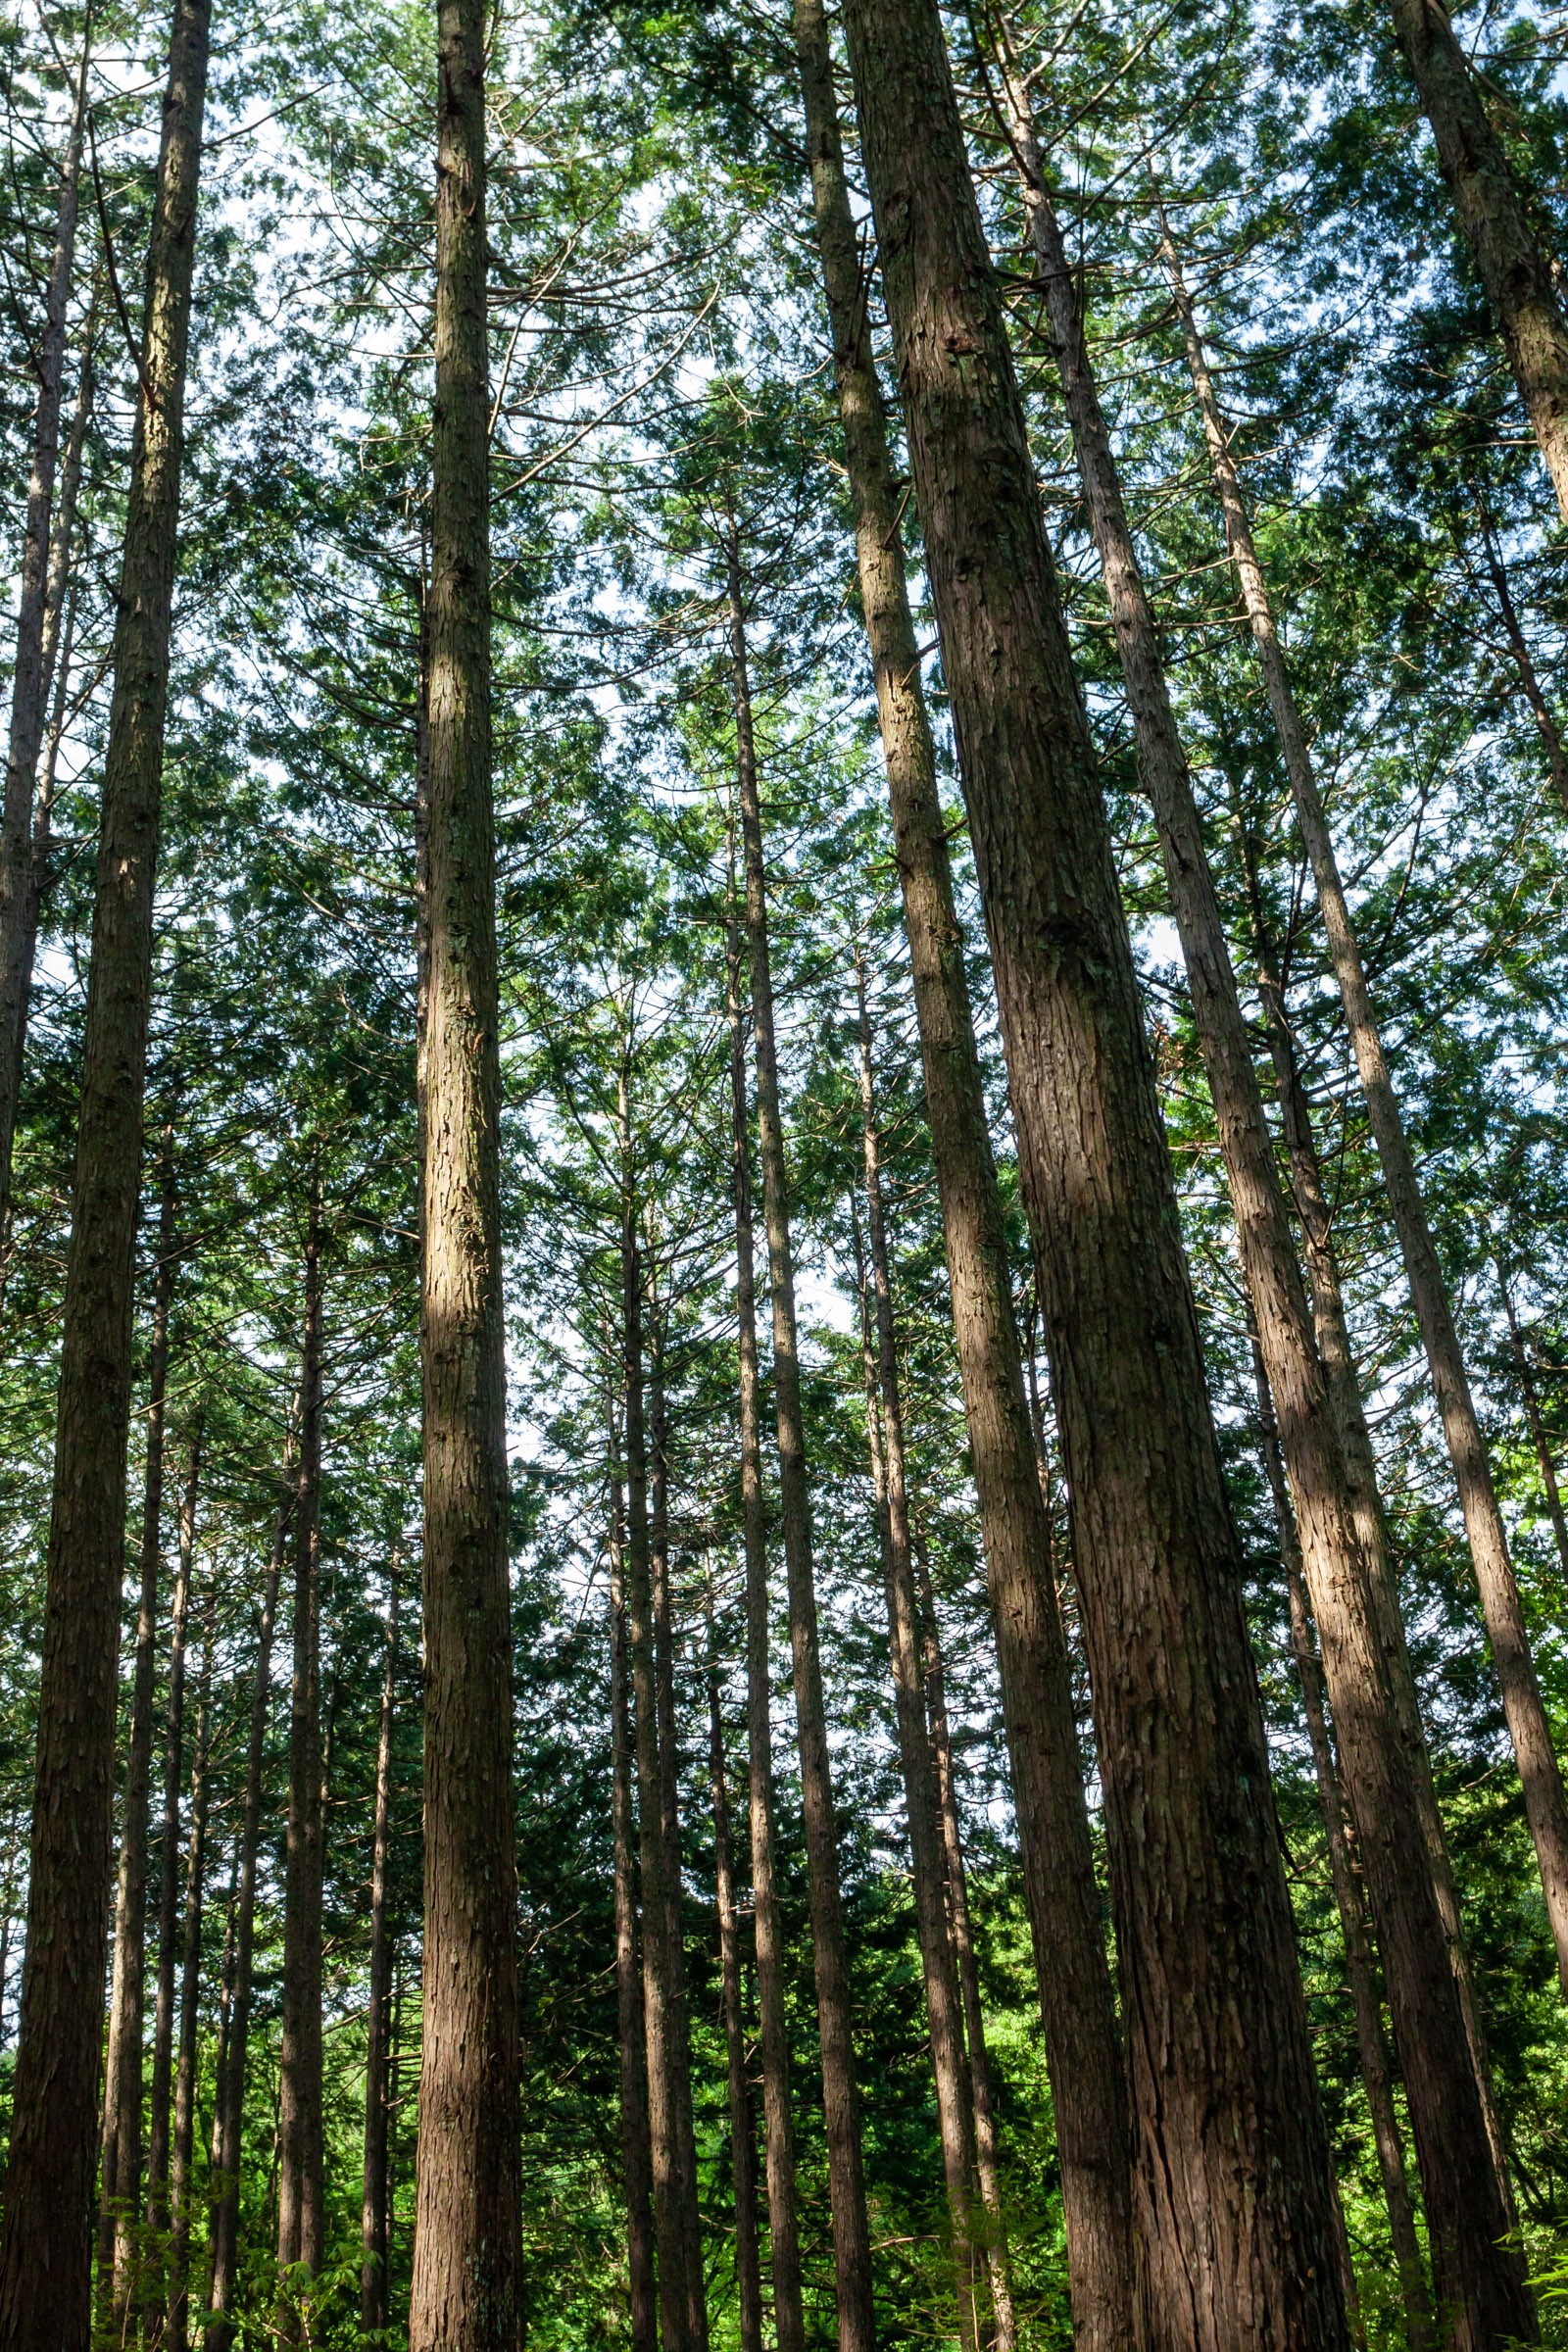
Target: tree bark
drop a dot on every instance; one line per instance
(885, 1427)
(986, 2160)
(742, 2148)
(373, 2200)
(1233, 2180)
(636, 2159)
(1511, 259)
(161, 2104)
(1360, 1967)
(29, 690)
(46, 2251)
(789, 2316)
(301, 2162)
(1545, 1803)
(183, 2168)
(467, 2240)
(1081, 2047)
(229, 2115)
(840, 2108)
(1465, 2208)
(119, 2209)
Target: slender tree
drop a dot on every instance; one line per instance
(373, 2304)
(1533, 1415)
(181, 2171)
(161, 2104)
(635, 2156)
(742, 2148)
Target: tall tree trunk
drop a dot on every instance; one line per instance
(467, 2240)
(29, 689)
(1545, 1803)
(161, 2105)
(229, 2110)
(1538, 1427)
(1466, 2211)
(1233, 2177)
(182, 2169)
(1360, 1968)
(636, 2161)
(301, 2161)
(119, 2210)
(1082, 2049)
(373, 2201)
(1530, 684)
(885, 1425)
(987, 2164)
(742, 2148)
(46, 2251)
(665, 2024)
(789, 2314)
(841, 2106)
(1511, 258)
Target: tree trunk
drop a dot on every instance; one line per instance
(1534, 692)
(987, 2164)
(183, 2168)
(301, 2159)
(29, 690)
(1360, 1968)
(636, 2161)
(789, 2316)
(1082, 2049)
(1546, 1804)
(229, 2112)
(1233, 2179)
(467, 2240)
(885, 1426)
(1511, 259)
(373, 2202)
(119, 2210)
(160, 2106)
(46, 2254)
(742, 2148)
(1465, 2208)
(1538, 1427)
(665, 2024)
(841, 2109)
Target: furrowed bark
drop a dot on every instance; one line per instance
(1081, 2047)
(636, 2161)
(789, 2318)
(743, 2153)
(1545, 1803)
(1232, 2181)
(840, 2107)
(379, 2014)
(46, 2248)
(467, 2239)
(183, 2165)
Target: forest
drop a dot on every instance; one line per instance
(783, 1200)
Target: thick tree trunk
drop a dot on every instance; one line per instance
(181, 2178)
(841, 2109)
(939, 1970)
(378, 2016)
(1360, 1967)
(467, 2239)
(987, 2162)
(46, 2254)
(119, 2209)
(301, 2159)
(29, 689)
(161, 2101)
(789, 2316)
(1511, 258)
(229, 2119)
(1545, 1803)
(1538, 1427)
(742, 2147)
(636, 2160)
(1082, 2047)
(1465, 2207)
(1233, 2179)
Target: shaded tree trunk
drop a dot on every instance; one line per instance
(1233, 2179)
(789, 2316)
(636, 2160)
(840, 2107)
(161, 2105)
(301, 2159)
(373, 2200)
(1545, 1803)
(46, 2249)
(181, 2178)
(467, 2239)
(742, 2148)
